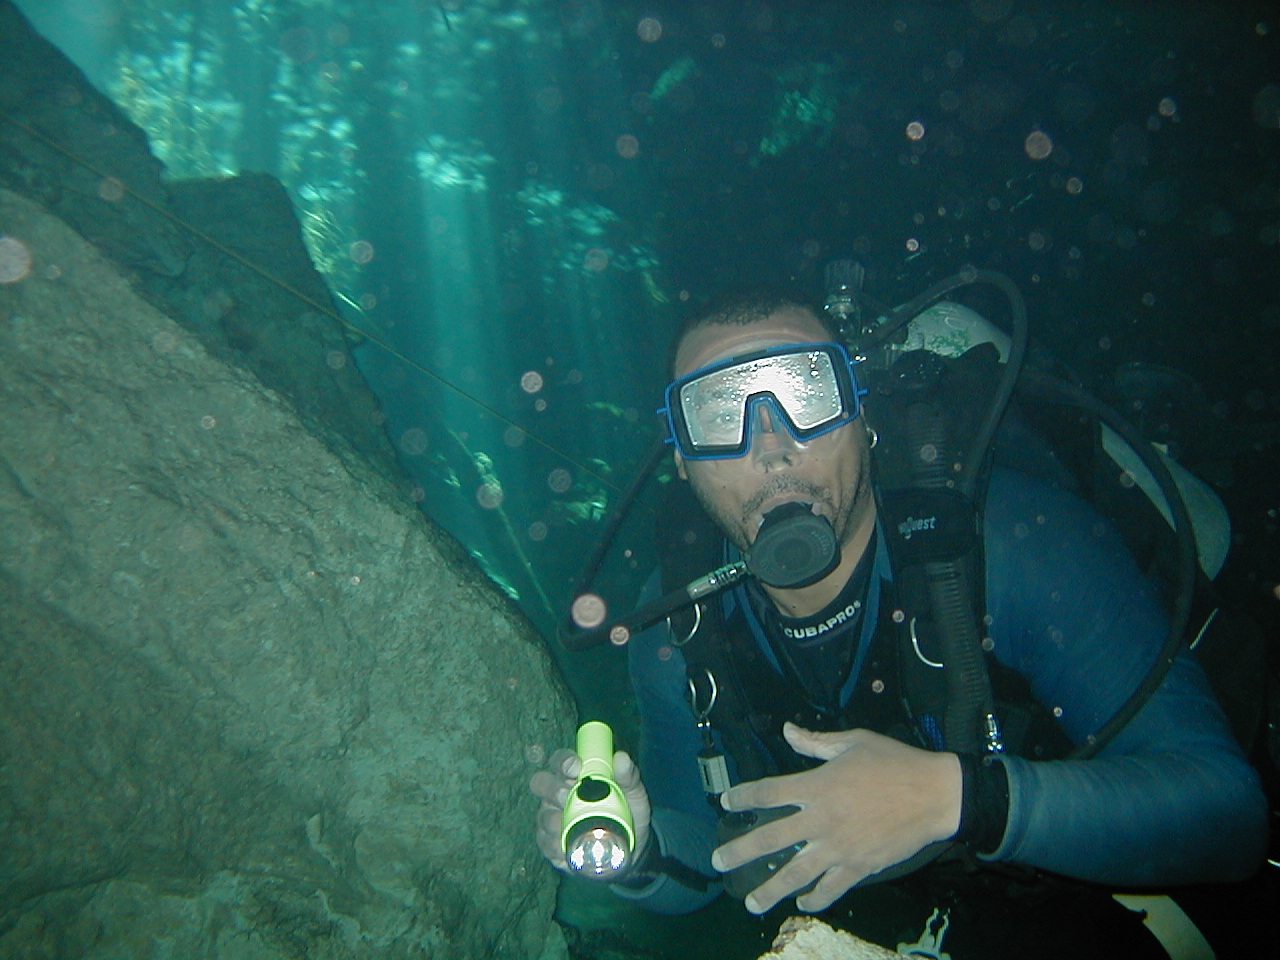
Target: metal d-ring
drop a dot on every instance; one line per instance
(697, 622)
(701, 715)
(915, 645)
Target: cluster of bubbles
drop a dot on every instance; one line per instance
(546, 206)
(450, 165)
(581, 231)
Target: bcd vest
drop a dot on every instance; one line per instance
(897, 692)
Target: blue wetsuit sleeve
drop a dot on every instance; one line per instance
(1171, 799)
(684, 823)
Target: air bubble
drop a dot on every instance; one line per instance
(111, 189)
(413, 442)
(15, 260)
(559, 480)
(1038, 145)
(915, 130)
(361, 252)
(589, 611)
(489, 495)
(627, 146)
(531, 381)
(649, 29)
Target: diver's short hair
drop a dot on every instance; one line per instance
(739, 306)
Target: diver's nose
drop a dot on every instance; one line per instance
(771, 441)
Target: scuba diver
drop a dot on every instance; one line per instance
(915, 681)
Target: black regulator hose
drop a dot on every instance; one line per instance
(609, 534)
(969, 724)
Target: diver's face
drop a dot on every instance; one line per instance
(830, 472)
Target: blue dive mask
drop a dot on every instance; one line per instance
(809, 387)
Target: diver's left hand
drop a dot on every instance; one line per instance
(874, 803)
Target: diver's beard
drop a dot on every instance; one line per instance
(845, 520)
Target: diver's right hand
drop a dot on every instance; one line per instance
(552, 787)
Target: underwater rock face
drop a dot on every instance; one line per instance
(252, 704)
(68, 146)
(223, 257)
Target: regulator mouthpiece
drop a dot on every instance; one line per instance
(598, 835)
(794, 547)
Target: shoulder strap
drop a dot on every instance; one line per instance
(928, 410)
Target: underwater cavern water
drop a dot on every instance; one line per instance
(513, 202)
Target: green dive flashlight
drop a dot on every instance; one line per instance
(598, 836)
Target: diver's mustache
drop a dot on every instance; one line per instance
(781, 486)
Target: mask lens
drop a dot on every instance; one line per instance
(805, 385)
(807, 390)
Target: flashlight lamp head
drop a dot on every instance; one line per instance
(598, 848)
(598, 835)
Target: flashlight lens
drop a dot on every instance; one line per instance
(598, 852)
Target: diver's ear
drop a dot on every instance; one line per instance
(680, 470)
